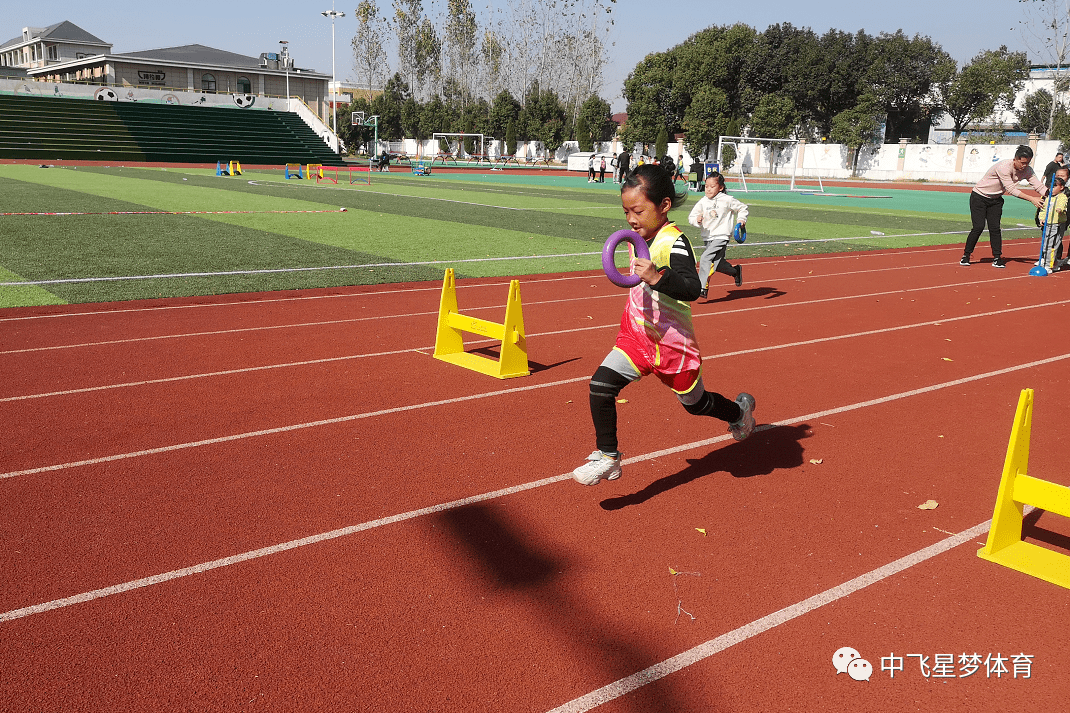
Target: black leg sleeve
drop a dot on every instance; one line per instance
(713, 404)
(606, 385)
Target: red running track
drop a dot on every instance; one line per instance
(282, 502)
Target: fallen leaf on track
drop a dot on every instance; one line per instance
(817, 461)
(702, 530)
(928, 505)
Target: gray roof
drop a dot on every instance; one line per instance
(194, 54)
(65, 30)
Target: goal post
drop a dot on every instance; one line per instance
(460, 139)
(757, 164)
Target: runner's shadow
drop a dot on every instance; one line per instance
(498, 550)
(773, 448)
(524, 578)
(770, 293)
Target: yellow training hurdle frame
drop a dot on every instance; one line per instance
(1016, 489)
(449, 341)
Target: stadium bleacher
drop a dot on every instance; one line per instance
(54, 129)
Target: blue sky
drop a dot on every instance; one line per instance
(254, 27)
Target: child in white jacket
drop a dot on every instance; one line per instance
(716, 214)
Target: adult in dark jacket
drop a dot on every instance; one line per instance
(624, 160)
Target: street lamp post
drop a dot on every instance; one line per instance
(286, 64)
(332, 13)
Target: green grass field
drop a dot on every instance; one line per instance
(402, 228)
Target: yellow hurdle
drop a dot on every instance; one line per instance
(449, 342)
(1016, 490)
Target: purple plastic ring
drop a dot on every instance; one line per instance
(610, 266)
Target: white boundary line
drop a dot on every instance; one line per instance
(792, 259)
(703, 651)
(636, 679)
(424, 350)
(543, 302)
(228, 273)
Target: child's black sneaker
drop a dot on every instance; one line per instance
(739, 276)
(998, 262)
(965, 261)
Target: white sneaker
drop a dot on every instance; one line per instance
(745, 425)
(599, 466)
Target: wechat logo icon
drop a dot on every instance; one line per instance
(849, 661)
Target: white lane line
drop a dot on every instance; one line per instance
(462, 399)
(425, 263)
(791, 259)
(884, 330)
(498, 307)
(424, 350)
(313, 539)
(186, 377)
(285, 429)
(266, 551)
(272, 300)
(174, 275)
(703, 651)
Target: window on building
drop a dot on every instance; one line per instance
(53, 52)
(207, 83)
(244, 86)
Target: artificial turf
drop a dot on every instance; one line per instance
(272, 234)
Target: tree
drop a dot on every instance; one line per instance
(648, 90)
(369, 55)
(598, 115)
(775, 117)
(543, 118)
(901, 75)
(510, 138)
(503, 111)
(558, 43)
(838, 78)
(989, 82)
(1036, 113)
(435, 117)
(492, 55)
(706, 120)
(583, 134)
(1047, 34)
(857, 127)
(428, 55)
(388, 106)
(661, 143)
(410, 119)
(407, 16)
(461, 40)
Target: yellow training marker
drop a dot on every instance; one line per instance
(449, 341)
(1016, 490)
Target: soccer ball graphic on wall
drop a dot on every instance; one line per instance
(244, 100)
(105, 94)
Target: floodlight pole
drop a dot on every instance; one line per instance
(286, 63)
(332, 13)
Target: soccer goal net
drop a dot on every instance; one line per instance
(756, 164)
(455, 142)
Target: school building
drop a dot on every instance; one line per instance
(64, 52)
